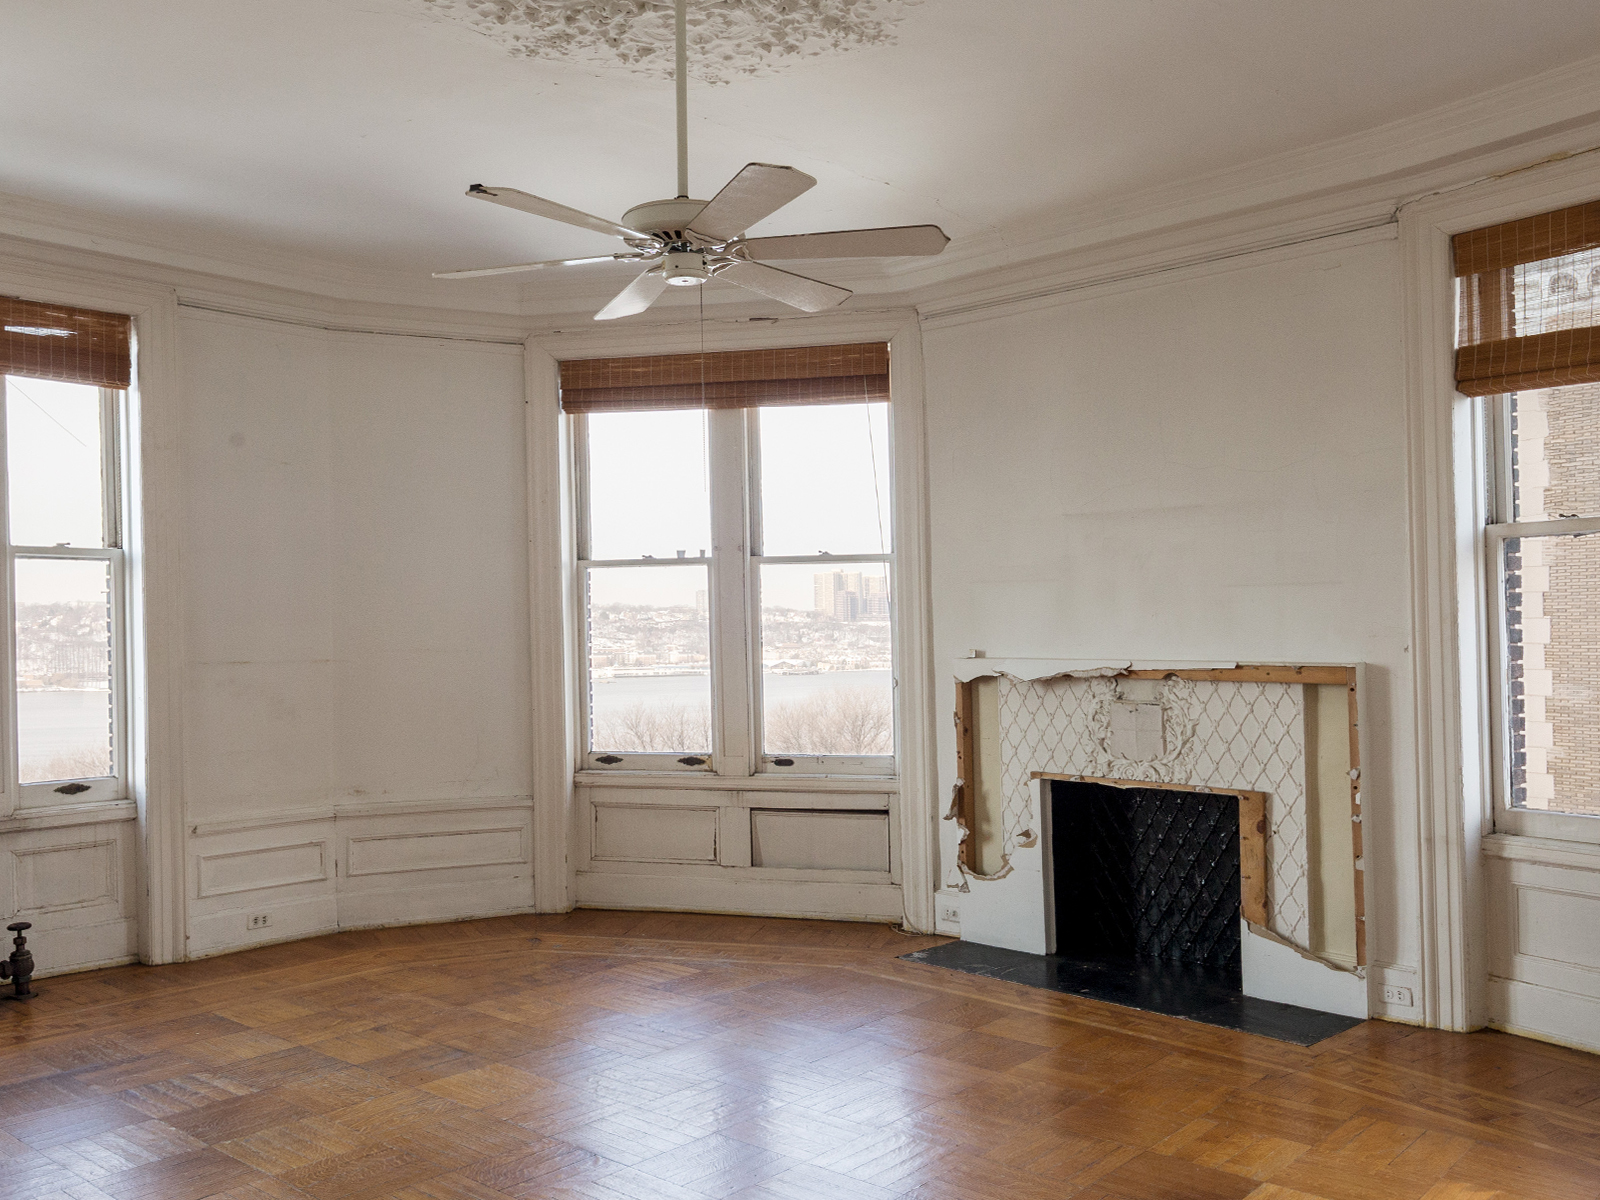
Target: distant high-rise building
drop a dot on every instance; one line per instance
(849, 596)
(874, 596)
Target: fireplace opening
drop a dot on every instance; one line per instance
(1145, 874)
(1147, 897)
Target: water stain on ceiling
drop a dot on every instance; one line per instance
(727, 38)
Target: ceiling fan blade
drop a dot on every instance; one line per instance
(808, 295)
(636, 297)
(759, 190)
(480, 272)
(540, 207)
(895, 242)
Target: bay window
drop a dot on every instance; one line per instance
(735, 555)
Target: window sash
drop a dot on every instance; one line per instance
(111, 787)
(1500, 506)
(46, 794)
(735, 616)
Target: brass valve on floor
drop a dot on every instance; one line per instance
(19, 967)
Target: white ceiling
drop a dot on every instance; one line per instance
(347, 130)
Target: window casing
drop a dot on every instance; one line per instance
(64, 593)
(753, 600)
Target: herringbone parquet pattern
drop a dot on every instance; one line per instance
(627, 1056)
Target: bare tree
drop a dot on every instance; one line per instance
(75, 764)
(846, 721)
(655, 728)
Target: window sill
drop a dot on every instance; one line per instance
(61, 816)
(1549, 852)
(679, 780)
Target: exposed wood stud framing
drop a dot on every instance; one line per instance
(966, 797)
(1356, 836)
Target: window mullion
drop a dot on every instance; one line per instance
(732, 641)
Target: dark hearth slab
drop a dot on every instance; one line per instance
(1209, 995)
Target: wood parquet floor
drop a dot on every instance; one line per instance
(633, 1056)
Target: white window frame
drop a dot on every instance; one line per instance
(733, 585)
(63, 792)
(1454, 695)
(1494, 430)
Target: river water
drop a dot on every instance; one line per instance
(617, 695)
(52, 723)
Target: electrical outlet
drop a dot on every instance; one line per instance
(1398, 996)
(950, 913)
(260, 920)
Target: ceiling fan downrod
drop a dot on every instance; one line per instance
(681, 77)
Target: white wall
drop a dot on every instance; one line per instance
(357, 628)
(1207, 464)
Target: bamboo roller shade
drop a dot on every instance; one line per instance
(850, 374)
(1491, 357)
(73, 345)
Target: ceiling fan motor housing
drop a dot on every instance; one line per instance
(668, 220)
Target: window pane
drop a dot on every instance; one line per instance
(827, 679)
(649, 491)
(1553, 672)
(1555, 452)
(825, 479)
(64, 697)
(649, 660)
(53, 439)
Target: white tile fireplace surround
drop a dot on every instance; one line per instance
(1143, 721)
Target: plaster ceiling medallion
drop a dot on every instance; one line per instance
(682, 242)
(727, 38)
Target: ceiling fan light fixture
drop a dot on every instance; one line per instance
(685, 268)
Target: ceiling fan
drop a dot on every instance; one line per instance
(690, 242)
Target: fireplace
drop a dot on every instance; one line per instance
(1269, 751)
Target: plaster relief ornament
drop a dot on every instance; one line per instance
(727, 38)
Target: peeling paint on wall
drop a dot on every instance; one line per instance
(727, 38)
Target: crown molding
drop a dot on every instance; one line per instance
(1554, 113)
(1333, 187)
(204, 254)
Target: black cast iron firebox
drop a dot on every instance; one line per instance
(1145, 874)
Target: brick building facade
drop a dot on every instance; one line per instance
(1553, 583)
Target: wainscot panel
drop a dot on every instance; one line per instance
(74, 884)
(819, 840)
(279, 879)
(394, 853)
(267, 867)
(651, 833)
(1544, 944)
